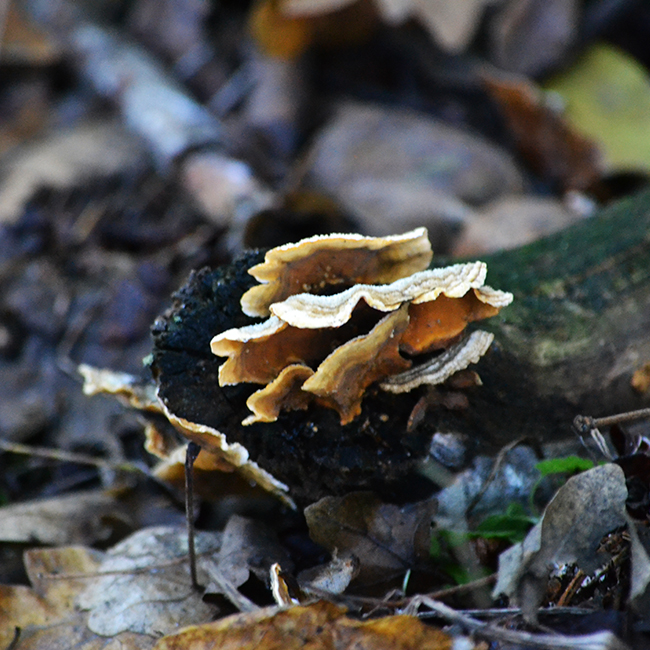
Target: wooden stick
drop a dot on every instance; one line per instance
(190, 456)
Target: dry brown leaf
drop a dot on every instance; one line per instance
(63, 159)
(319, 626)
(553, 148)
(46, 613)
(80, 518)
(24, 43)
(387, 539)
(247, 546)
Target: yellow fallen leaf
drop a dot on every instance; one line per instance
(607, 96)
(319, 626)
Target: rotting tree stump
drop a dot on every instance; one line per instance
(577, 330)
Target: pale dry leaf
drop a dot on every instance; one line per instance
(147, 587)
(531, 36)
(46, 613)
(451, 24)
(584, 509)
(388, 539)
(80, 518)
(66, 158)
(366, 153)
(225, 189)
(247, 546)
(334, 576)
(510, 222)
(640, 570)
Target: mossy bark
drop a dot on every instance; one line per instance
(577, 330)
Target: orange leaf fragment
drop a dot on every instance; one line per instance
(641, 379)
(277, 34)
(551, 146)
(319, 626)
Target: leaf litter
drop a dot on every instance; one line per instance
(400, 174)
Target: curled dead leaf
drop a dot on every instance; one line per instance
(387, 539)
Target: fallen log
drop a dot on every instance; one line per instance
(578, 329)
(569, 343)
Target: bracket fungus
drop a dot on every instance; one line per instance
(328, 348)
(308, 359)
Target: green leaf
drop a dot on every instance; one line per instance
(567, 465)
(512, 525)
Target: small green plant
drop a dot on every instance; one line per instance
(512, 525)
(567, 465)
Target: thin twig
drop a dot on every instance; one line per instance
(191, 453)
(399, 603)
(598, 641)
(585, 423)
(72, 457)
(82, 459)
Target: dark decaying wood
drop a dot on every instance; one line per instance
(577, 330)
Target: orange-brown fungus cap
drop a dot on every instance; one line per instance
(283, 393)
(434, 324)
(311, 265)
(258, 353)
(329, 347)
(343, 377)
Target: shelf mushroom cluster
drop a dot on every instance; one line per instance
(344, 312)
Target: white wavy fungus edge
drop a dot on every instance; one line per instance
(308, 311)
